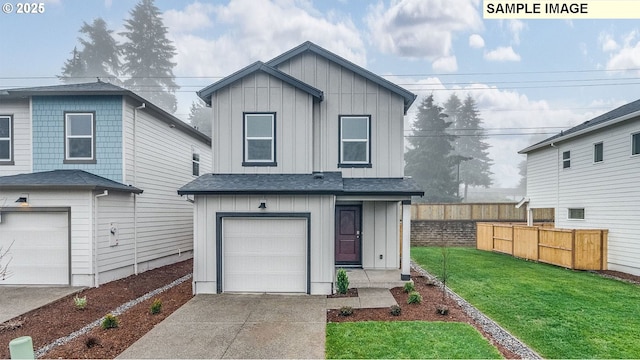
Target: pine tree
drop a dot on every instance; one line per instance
(200, 117)
(428, 158)
(148, 56)
(522, 171)
(74, 69)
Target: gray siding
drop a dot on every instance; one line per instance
(20, 110)
(381, 231)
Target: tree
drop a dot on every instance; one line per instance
(428, 157)
(99, 57)
(200, 117)
(522, 170)
(148, 56)
(4, 262)
(470, 145)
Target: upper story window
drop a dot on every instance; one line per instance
(6, 140)
(80, 144)
(598, 152)
(195, 162)
(575, 213)
(259, 139)
(566, 159)
(635, 144)
(355, 141)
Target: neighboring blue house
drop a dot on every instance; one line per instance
(94, 168)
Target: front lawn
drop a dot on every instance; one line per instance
(560, 313)
(406, 340)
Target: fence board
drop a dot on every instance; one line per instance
(525, 242)
(484, 237)
(477, 211)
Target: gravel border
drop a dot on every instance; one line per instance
(118, 311)
(502, 336)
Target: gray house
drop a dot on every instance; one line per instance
(307, 176)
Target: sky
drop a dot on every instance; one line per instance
(530, 78)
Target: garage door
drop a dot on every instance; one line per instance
(39, 254)
(264, 255)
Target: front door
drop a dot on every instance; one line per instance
(348, 239)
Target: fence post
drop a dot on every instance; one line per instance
(573, 249)
(513, 238)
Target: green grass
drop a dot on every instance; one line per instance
(406, 340)
(560, 313)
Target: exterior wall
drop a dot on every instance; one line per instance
(380, 235)
(49, 138)
(443, 233)
(346, 93)
(115, 209)
(262, 93)
(321, 208)
(19, 109)
(606, 190)
(542, 177)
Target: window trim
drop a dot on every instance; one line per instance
(354, 164)
(10, 160)
(637, 135)
(595, 152)
(195, 163)
(566, 161)
(584, 213)
(92, 159)
(245, 141)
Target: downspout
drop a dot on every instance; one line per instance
(96, 281)
(135, 196)
(557, 211)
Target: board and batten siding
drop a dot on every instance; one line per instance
(380, 232)
(606, 190)
(346, 93)
(115, 261)
(163, 164)
(321, 209)
(19, 109)
(260, 92)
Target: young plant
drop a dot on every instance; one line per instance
(91, 341)
(342, 281)
(110, 321)
(409, 287)
(346, 311)
(442, 309)
(444, 276)
(414, 298)
(80, 302)
(4, 262)
(395, 310)
(155, 307)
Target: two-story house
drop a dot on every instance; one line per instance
(308, 176)
(587, 174)
(88, 179)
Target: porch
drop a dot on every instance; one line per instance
(373, 278)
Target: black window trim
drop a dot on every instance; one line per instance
(94, 139)
(569, 210)
(566, 161)
(10, 161)
(635, 135)
(597, 160)
(246, 162)
(342, 164)
(195, 163)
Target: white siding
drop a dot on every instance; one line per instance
(20, 111)
(607, 191)
(542, 178)
(380, 235)
(116, 209)
(262, 93)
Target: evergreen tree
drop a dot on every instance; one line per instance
(200, 117)
(470, 146)
(148, 56)
(428, 157)
(99, 57)
(522, 171)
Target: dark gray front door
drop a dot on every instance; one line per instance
(348, 240)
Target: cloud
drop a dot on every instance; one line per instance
(622, 57)
(476, 41)
(607, 42)
(194, 17)
(503, 53)
(516, 27)
(421, 28)
(447, 64)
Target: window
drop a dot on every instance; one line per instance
(575, 214)
(6, 140)
(355, 144)
(635, 144)
(598, 152)
(80, 143)
(195, 162)
(259, 139)
(566, 159)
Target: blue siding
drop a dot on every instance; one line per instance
(48, 133)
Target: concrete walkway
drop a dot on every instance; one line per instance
(17, 300)
(367, 298)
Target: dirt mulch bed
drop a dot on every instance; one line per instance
(353, 292)
(61, 318)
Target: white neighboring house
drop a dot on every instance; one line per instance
(589, 175)
(95, 169)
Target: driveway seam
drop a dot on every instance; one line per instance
(237, 333)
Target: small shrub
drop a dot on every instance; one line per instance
(11, 325)
(342, 281)
(346, 311)
(395, 310)
(414, 298)
(91, 341)
(80, 302)
(442, 309)
(110, 321)
(155, 307)
(409, 287)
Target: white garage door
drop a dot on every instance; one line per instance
(39, 254)
(264, 255)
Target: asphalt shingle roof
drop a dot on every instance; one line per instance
(382, 186)
(63, 179)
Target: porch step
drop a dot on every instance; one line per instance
(385, 279)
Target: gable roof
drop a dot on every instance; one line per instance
(63, 179)
(258, 66)
(622, 113)
(408, 96)
(102, 88)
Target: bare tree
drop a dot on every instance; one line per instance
(4, 262)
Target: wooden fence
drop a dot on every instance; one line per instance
(575, 249)
(477, 211)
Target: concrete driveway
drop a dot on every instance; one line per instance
(238, 326)
(17, 300)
